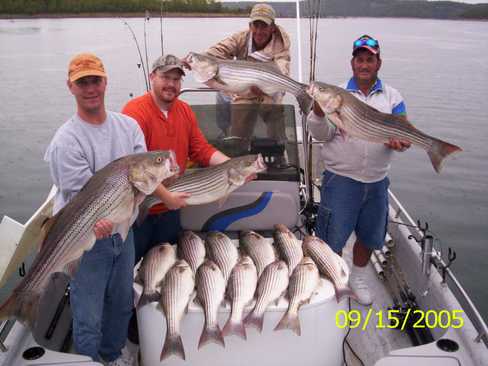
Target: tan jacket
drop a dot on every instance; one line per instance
(239, 46)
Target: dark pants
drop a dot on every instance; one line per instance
(101, 298)
(156, 229)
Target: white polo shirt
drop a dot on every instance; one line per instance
(348, 156)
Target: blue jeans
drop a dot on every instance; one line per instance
(156, 229)
(101, 298)
(347, 205)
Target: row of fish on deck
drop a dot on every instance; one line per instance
(349, 114)
(215, 269)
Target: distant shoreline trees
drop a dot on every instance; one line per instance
(32, 7)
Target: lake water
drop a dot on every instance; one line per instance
(440, 67)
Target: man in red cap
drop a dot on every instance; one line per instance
(101, 289)
(354, 192)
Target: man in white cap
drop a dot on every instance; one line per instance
(263, 41)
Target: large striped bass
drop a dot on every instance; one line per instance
(154, 266)
(211, 184)
(240, 291)
(210, 285)
(258, 248)
(217, 182)
(289, 247)
(222, 251)
(303, 282)
(237, 77)
(271, 285)
(192, 249)
(112, 193)
(176, 293)
(365, 122)
(330, 265)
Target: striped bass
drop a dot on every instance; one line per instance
(211, 184)
(217, 182)
(238, 76)
(330, 265)
(210, 285)
(258, 248)
(192, 249)
(112, 193)
(365, 122)
(222, 251)
(271, 285)
(154, 266)
(303, 282)
(240, 291)
(289, 247)
(175, 295)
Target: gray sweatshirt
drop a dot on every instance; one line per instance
(79, 149)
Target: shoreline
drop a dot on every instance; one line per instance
(184, 15)
(122, 15)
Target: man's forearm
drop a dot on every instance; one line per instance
(218, 158)
(162, 193)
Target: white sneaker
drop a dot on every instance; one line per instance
(357, 282)
(129, 356)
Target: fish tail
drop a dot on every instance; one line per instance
(289, 321)
(147, 298)
(234, 328)
(304, 101)
(22, 308)
(439, 151)
(343, 292)
(211, 334)
(173, 345)
(255, 320)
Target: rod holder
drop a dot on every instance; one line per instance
(428, 243)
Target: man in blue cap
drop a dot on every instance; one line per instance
(354, 192)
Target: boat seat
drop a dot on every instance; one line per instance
(258, 205)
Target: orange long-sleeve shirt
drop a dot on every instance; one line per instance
(179, 132)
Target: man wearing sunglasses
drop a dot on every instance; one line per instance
(354, 192)
(101, 289)
(263, 41)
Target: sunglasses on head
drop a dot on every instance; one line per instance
(366, 42)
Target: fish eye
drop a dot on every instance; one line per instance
(159, 159)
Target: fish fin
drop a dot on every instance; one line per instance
(439, 151)
(344, 292)
(71, 267)
(235, 178)
(148, 298)
(23, 308)
(289, 322)
(211, 334)
(305, 101)
(254, 320)
(173, 345)
(222, 200)
(46, 226)
(234, 328)
(219, 80)
(144, 207)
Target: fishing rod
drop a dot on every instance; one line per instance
(161, 26)
(146, 20)
(141, 64)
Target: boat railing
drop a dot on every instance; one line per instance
(454, 285)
